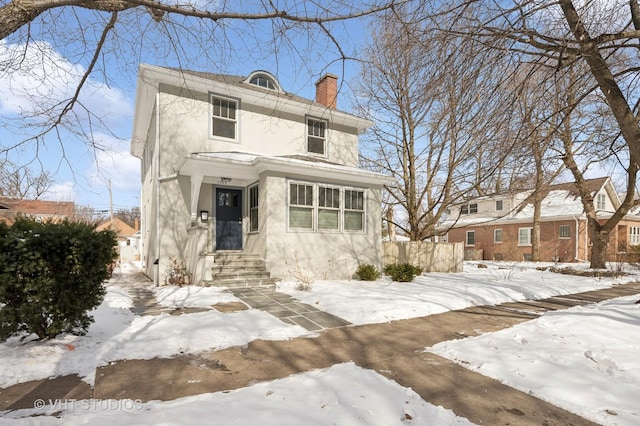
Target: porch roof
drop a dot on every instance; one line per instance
(246, 167)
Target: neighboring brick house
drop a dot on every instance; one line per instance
(498, 227)
(37, 209)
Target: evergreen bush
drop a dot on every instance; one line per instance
(367, 272)
(51, 276)
(403, 272)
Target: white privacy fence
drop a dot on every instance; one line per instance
(431, 257)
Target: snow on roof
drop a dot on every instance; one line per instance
(556, 203)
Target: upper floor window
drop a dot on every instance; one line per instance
(469, 209)
(498, 205)
(316, 136)
(601, 202)
(224, 121)
(263, 81)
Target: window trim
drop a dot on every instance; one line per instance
(469, 208)
(301, 206)
(634, 237)
(327, 208)
(495, 240)
(315, 208)
(363, 212)
(529, 232)
(212, 117)
(258, 78)
(466, 238)
(568, 233)
(253, 208)
(601, 202)
(324, 138)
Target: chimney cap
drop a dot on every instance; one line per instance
(324, 77)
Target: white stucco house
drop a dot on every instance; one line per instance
(236, 165)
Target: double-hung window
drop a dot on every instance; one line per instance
(634, 235)
(224, 121)
(316, 136)
(497, 235)
(524, 236)
(328, 208)
(469, 208)
(601, 202)
(353, 210)
(471, 238)
(301, 206)
(322, 208)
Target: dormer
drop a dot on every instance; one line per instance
(264, 79)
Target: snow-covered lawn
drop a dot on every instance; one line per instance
(361, 302)
(583, 359)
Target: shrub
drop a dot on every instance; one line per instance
(367, 272)
(404, 272)
(51, 276)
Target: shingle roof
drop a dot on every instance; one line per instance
(239, 81)
(117, 225)
(10, 207)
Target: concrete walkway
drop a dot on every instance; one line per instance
(394, 350)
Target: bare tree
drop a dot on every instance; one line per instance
(432, 99)
(601, 35)
(105, 40)
(21, 182)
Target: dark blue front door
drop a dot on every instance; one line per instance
(228, 219)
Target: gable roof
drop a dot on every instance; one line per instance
(118, 226)
(559, 201)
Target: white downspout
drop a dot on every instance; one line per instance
(156, 272)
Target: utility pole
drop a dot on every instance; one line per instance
(110, 204)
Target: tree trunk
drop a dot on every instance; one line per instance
(600, 242)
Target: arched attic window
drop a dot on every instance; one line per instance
(263, 79)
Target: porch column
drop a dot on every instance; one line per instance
(196, 182)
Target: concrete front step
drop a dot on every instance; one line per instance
(242, 282)
(239, 269)
(254, 266)
(228, 256)
(236, 274)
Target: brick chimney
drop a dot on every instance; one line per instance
(327, 90)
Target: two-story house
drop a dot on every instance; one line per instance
(499, 227)
(236, 164)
